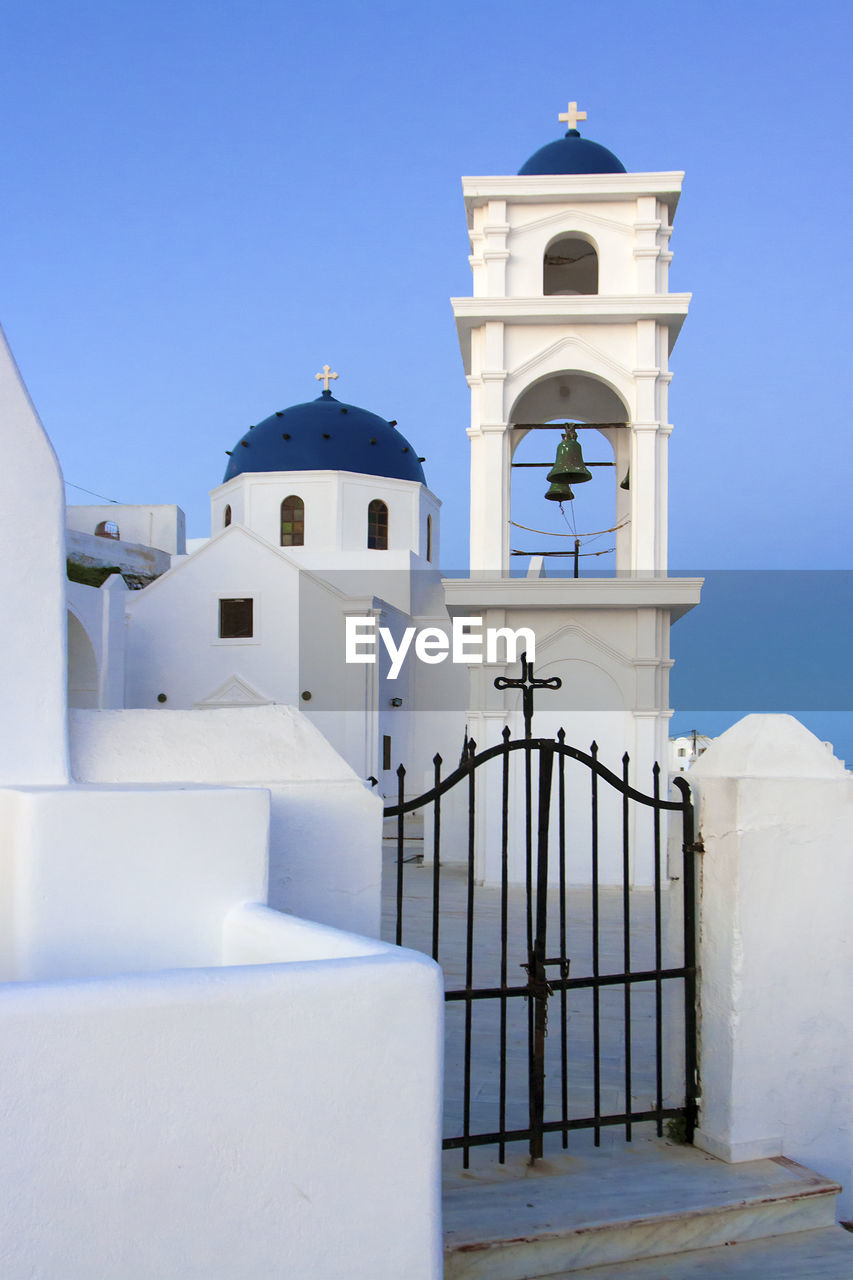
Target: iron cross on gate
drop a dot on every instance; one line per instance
(527, 684)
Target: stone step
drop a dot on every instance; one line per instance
(641, 1200)
(826, 1254)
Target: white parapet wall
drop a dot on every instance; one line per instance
(277, 1118)
(194, 1084)
(34, 742)
(96, 643)
(162, 526)
(776, 948)
(129, 557)
(325, 822)
(112, 880)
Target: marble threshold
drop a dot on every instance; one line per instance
(825, 1254)
(647, 1199)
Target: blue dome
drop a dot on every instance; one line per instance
(325, 435)
(572, 154)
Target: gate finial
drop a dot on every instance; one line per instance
(527, 684)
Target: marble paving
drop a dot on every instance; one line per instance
(801, 1255)
(417, 917)
(646, 1200)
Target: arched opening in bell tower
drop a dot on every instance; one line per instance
(570, 266)
(595, 513)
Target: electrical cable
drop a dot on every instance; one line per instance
(92, 493)
(569, 521)
(547, 534)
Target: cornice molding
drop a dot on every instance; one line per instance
(594, 308)
(676, 595)
(548, 188)
(470, 313)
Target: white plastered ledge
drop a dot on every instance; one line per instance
(325, 852)
(194, 1084)
(217, 1122)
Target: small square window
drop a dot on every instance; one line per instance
(236, 620)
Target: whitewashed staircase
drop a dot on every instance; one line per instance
(645, 1211)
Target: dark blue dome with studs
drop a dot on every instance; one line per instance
(572, 154)
(325, 435)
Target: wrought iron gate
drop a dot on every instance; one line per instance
(549, 827)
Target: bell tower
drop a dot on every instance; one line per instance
(571, 317)
(567, 334)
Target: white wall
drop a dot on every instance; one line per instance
(162, 526)
(776, 949)
(277, 1106)
(96, 638)
(33, 745)
(297, 647)
(299, 641)
(325, 823)
(336, 505)
(126, 879)
(130, 557)
(174, 645)
(608, 642)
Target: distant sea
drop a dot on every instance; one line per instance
(767, 640)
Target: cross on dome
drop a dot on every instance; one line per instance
(572, 116)
(325, 376)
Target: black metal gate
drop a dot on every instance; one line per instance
(658, 1033)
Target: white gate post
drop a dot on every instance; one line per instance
(775, 948)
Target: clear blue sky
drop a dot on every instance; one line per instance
(205, 201)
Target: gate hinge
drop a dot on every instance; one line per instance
(696, 847)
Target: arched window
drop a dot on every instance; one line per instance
(570, 266)
(106, 529)
(227, 520)
(429, 538)
(377, 526)
(293, 522)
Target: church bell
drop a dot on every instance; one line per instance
(568, 469)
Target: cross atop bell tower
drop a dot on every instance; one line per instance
(572, 116)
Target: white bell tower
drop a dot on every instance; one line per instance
(571, 321)
(571, 317)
